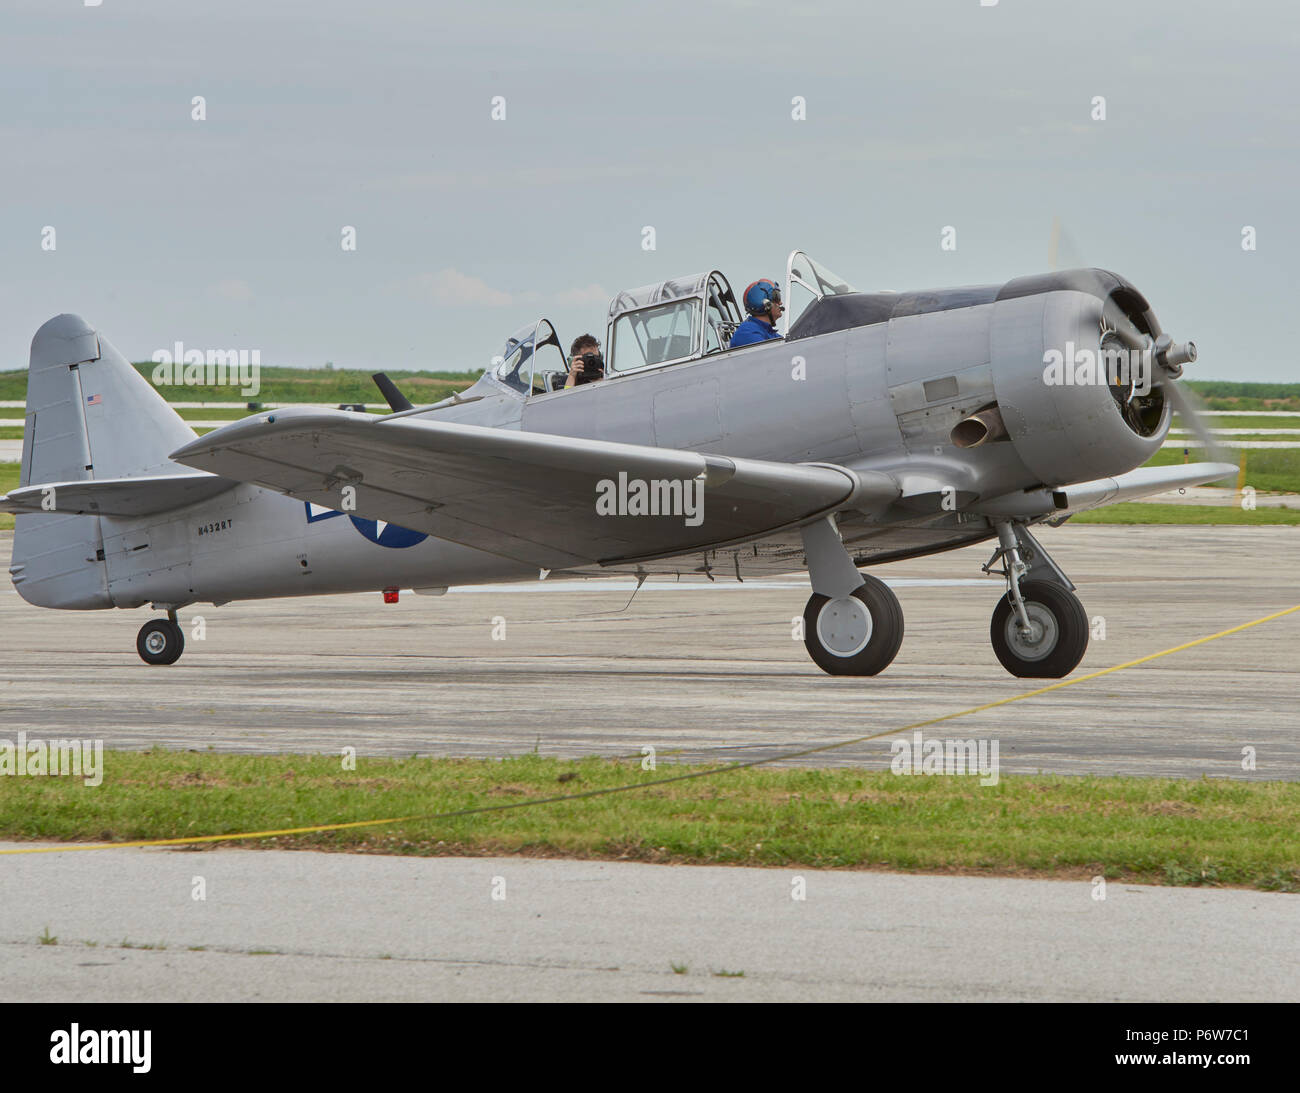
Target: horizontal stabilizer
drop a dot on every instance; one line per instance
(142, 496)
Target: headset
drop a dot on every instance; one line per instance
(760, 296)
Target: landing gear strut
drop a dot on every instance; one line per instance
(1039, 628)
(852, 625)
(161, 641)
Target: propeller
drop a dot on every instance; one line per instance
(1167, 356)
(1189, 407)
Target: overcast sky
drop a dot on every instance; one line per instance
(618, 116)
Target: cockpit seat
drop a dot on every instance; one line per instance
(670, 348)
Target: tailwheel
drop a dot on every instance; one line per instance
(1054, 641)
(160, 641)
(857, 635)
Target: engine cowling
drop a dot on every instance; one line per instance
(1078, 398)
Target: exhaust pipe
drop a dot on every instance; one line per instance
(983, 427)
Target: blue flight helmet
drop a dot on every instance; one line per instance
(760, 295)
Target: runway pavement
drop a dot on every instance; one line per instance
(700, 667)
(708, 668)
(280, 925)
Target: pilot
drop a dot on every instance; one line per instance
(586, 364)
(763, 302)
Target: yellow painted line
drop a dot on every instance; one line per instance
(816, 749)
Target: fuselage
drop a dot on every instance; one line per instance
(868, 381)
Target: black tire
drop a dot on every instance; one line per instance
(882, 639)
(1058, 609)
(160, 641)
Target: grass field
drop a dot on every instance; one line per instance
(8, 480)
(1228, 441)
(1153, 830)
(1234, 395)
(1245, 404)
(1273, 469)
(355, 385)
(1246, 421)
(290, 385)
(12, 417)
(1150, 512)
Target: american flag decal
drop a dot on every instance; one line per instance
(94, 400)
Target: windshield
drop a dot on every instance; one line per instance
(808, 281)
(655, 335)
(513, 365)
(817, 278)
(529, 356)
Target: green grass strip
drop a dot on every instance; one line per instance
(1170, 831)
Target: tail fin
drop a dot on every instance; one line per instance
(89, 415)
(95, 416)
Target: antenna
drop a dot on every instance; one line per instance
(395, 399)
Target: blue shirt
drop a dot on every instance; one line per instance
(753, 330)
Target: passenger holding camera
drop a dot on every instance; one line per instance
(586, 364)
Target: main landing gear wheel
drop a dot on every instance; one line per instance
(855, 636)
(1057, 636)
(160, 641)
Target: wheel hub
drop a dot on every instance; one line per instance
(1041, 637)
(844, 626)
(156, 642)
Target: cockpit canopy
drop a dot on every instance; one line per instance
(806, 283)
(677, 320)
(674, 321)
(531, 356)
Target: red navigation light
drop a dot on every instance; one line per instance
(390, 595)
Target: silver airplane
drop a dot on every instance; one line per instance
(879, 426)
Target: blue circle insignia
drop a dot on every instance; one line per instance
(389, 536)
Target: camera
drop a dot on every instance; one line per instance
(593, 367)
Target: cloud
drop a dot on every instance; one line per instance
(527, 177)
(581, 297)
(233, 289)
(455, 289)
(450, 286)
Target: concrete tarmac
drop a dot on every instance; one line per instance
(709, 669)
(294, 926)
(712, 670)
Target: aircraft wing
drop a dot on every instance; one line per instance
(140, 496)
(540, 499)
(1142, 482)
